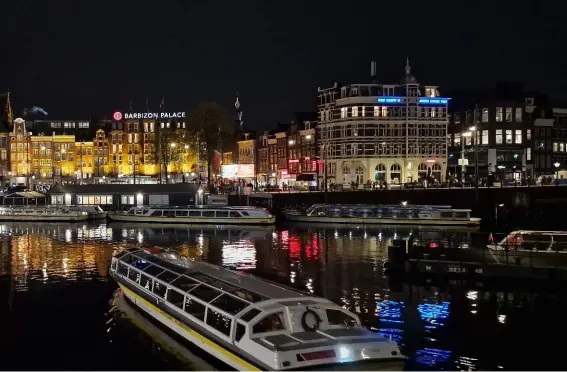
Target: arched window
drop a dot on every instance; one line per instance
(395, 173)
(380, 172)
(359, 170)
(436, 171)
(422, 170)
(346, 173)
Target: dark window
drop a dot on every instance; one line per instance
(146, 282)
(202, 277)
(248, 296)
(236, 214)
(181, 214)
(446, 214)
(134, 275)
(122, 269)
(195, 308)
(336, 317)
(205, 293)
(169, 213)
(153, 270)
(222, 214)
(272, 322)
(208, 213)
(462, 215)
(156, 213)
(225, 286)
(175, 298)
(120, 254)
(250, 314)
(240, 330)
(243, 213)
(167, 276)
(229, 304)
(184, 283)
(140, 264)
(129, 259)
(219, 321)
(159, 289)
(194, 213)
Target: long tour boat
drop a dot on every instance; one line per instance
(196, 215)
(533, 241)
(94, 212)
(246, 322)
(41, 214)
(399, 214)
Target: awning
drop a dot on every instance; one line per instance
(26, 195)
(307, 177)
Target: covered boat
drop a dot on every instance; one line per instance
(246, 322)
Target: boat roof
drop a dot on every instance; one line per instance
(239, 208)
(215, 276)
(538, 232)
(410, 206)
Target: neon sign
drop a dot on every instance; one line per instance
(389, 100)
(433, 101)
(154, 115)
(117, 116)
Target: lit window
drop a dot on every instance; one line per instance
(484, 137)
(354, 111)
(498, 136)
(485, 115)
(528, 134)
(518, 134)
(498, 113)
(508, 136)
(343, 112)
(529, 153)
(508, 114)
(561, 147)
(554, 146)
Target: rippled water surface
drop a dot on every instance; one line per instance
(58, 307)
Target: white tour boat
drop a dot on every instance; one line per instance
(196, 215)
(399, 214)
(94, 212)
(246, 322)
(41, 214)
(533, 241)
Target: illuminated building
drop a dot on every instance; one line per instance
(383, 133)
(84, 160)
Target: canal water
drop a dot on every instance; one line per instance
(59, 309)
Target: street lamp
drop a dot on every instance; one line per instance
(557, 165)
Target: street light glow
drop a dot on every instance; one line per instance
(172, 144)
(557, 164)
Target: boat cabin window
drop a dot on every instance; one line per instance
(146, 282)
(222, 214)
(194, 213)
(169, 213)
(195, 308)
(270, 323)
(120, 254)
(559, 242)
(140, 264)
(181, 213)
(229, 304)
(205, 293)
(250, 314)
(219, 321)
(240, 331)
(153, 270)
(248, 296)
(245, 214)
(446, 214)
(539, 242)
(131, 211)
(167, 276)
(337, 317)
(184, 283)
(160, 289)
(134, 275)
(175, 298)
(128, 259)
(462, 215)
(208, 213)
(122, 269)
(113, 265)
(156, 213)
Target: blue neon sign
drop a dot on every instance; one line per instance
(433, 101)
(389, 99)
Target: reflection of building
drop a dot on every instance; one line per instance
(384, 133)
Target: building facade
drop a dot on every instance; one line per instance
(383, 133)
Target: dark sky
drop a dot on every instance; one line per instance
(78, 59)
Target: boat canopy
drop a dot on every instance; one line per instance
(24, 196)
(196, 276)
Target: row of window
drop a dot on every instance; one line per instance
(190, 213)
(385, 149)
(386, 130)
(507, 136)
(385, 112)
(501, 114)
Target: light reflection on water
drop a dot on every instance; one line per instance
(343, 264)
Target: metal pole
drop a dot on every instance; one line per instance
(325, 165)
(462, 157)
(475, 143)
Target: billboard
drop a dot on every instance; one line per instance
(235, 171)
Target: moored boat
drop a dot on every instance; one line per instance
(196, 215)
(533, 241)
(399, 214)
(94, 212)
(246, 322)
(41, 214)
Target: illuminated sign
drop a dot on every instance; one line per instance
(237, 171)
(150, 115)
(117, 116)
(293, 161)
(433, 101)
(389, 100)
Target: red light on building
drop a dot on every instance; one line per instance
(117, 115)
(293, 161)
(313, 165)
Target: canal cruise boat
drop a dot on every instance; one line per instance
(533, 241)
(246, 322)
(196, 215)
(94, 212)
(41, 214)
(398, 214)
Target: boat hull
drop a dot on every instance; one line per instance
(380, 221)
(43, 218)
(189, 220)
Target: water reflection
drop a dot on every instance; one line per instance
(439, 325)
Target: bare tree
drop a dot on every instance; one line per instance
(213, 125)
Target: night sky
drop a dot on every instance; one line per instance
(78, 59)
